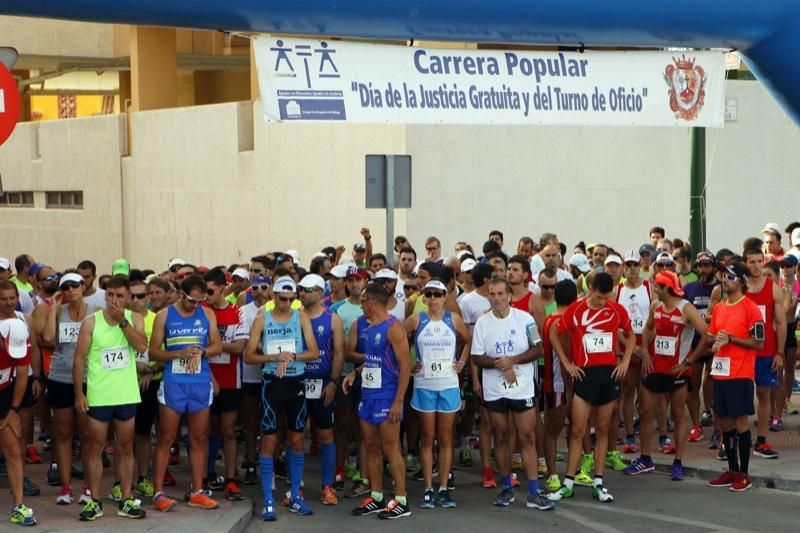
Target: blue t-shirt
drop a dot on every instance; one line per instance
(323, 332)
(380, 362)
(181, 332)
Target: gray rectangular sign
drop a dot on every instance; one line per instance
(375, 167)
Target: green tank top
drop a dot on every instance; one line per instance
(112, 378)
(550, 308)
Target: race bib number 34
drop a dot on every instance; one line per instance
(115, 358)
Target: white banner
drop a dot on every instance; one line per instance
(312, 80)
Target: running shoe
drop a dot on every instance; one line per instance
(696, 433)
(465, 457)
(559, 457)
(584, 479)
(250, 475)
(765, 450)
(587, 463)
(268, 512)
(445, 500)
(514, 480)
(86, 494)
(232, 492)
(214, 482)
(350, 470)
(665, 445)
(29, 488)
(32, 456)
(163, 503)
(64, 496)
(517, 464)
(412, 463)
(614, 460)
(601, 493)
(741, 482)
(394, 509)
(328, 496)
(145, 488)
(22, 516)
(796, 386)
(202, 500)
(563, 493)
(540, 501)
(298, 506)
(53, 479)
(707, 419)
(47, 445)
(776, 425)
(722, 455)
(174, 454)
(91, 511)
(369, 506)
(451, 481)
(131, 508)
(287, 499)
(716, 439)
(541, 470)
(505, 498)
(630, 445)
(725, 479)
(677, 472)
(428, 500)
(488, 479)
(357, 490)
(338, 481)
(116, 492)
(553, 483)
(169, 479)
(640, 466)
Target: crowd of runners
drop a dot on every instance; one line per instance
(392, 367)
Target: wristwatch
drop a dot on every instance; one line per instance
(123, 324)
(16, 408)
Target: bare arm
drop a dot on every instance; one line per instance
(338, 347)
(351, 354)
(214, 347)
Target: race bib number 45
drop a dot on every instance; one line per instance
(371, 378)
(115, 358)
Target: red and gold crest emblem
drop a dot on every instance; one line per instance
(686, 81)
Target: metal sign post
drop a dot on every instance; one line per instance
(389, 206)
(388, 186)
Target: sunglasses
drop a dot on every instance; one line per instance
(434, 294)
(547, 287)
(730, 277)
(285, 298)
(308, 290)
(67, 286)
(257, 270)
(52, 277)
(664, 265)
(407, 288)
(631, 264)
(210, 292)
(193, 300)
(138, 295)
(174, 269)
(261, 287)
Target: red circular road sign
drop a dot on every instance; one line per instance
(9, 103)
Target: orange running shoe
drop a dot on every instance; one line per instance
(202, 500)
(329, 496)
(32, 455)
(163, 503)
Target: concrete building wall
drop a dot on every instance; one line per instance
(217, 183)
(48, 37)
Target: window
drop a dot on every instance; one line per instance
(17, 199)
(64, 200)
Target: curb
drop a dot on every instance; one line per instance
(759, 480)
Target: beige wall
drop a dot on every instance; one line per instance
(35, 36)
(218, 184)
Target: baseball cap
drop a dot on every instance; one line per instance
(15, 334)
(386, 273)
(705, 257)
(771, 227)
(796, 237)
(461, 254)
(240, 273)
(579, 261)
(174, 263)
(665, 257)
(647, 249)
(669, 279)
(261, 279)
(339, 271)
(468, 265)
(357, 272)
(70, 277)
(294, 255)
(285, 284)
(318, 254)
(37, 266)
(347, 260)
(436, 285)
(736, 269)
(121, 267)
(359, 247)
(632, 256)
(613, 259)
(311, 281)
(789, 260)
(5, 263)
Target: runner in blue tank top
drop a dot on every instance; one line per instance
(322, 376)
(283, 333)
(184, 336)
(384, 377)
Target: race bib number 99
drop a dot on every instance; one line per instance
(313, 389)
(115, 358)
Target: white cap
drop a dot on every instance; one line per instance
(347, 260)
(632, 256)
(339, 271)
(5, 263)
(468, 264)
(241, 273)
(71, 276)
(386, 273)
(311, 281)
(295, 256)
(462, 253)
(318, 254)
(796, 237)
(15, 333)
(613, 259)
(771, 227)
(665, 257)
(284, 284)
(581, 262)
(175, 262)
(435, 284)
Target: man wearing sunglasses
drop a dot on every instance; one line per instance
(437, 397)
(172, 269)
(286, 342)
(505, 344)
(261, 289)
(737, 331)
(322, 377)
(185, 336)
(225, 372)
(106, 349)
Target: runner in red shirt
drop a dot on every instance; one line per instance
(737, 328)
(594, 325)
